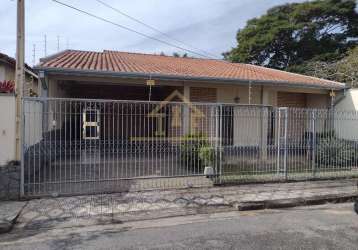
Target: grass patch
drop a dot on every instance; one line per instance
(233, 172)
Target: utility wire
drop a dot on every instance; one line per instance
(153, 28)
(131, 30)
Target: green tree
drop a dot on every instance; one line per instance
(347, 68)
(292, 34)
(344, 70)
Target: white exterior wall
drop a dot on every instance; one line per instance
(246, 119)
(256, 123)
(350, 101)
(33, 122)
(346, 123)
(7, 128)
(55, 115)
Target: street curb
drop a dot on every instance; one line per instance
(295, 202)
(190, 210)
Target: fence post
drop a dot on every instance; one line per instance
(22, 161)
(220, 142)
(313, 118)
(282, 141)
(263, 133)
(278, 120)
(285, 143)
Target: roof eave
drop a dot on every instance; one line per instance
(12, 63)
(96, 73)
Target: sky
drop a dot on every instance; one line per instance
(208, 25)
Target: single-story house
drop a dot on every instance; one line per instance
(7, 73)
(113, 75)
(115, 116)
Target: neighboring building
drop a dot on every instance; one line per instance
(7, 105)
(346, 124)
(7, 73)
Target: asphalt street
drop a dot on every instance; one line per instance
(331, 226)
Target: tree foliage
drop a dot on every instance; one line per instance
(343, 70)
(291, 34)
(176, 54)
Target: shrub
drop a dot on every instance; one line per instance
(196, 152)
(207, 155)
(335, 152)
(319, 136)
(7, 87)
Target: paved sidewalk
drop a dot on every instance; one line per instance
(48, 212)
(9, 212)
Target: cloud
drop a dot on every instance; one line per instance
(209, 25)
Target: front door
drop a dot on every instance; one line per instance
(227, 125)
(91, 124)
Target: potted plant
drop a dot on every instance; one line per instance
(208, 156)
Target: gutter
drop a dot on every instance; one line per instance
(31, 73)
(156, 76)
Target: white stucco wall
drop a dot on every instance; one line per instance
(56, 109)
(33, 122)
(7, 128)
(349, 102)
(346, 118)
(250, 126)
(247, 121)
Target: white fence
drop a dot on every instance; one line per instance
(7, 128)
(90, 146)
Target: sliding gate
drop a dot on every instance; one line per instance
(81, 146)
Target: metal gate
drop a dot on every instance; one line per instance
(82, 146)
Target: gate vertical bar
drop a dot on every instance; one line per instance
(220, 141)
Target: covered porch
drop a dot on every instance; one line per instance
(113, 137)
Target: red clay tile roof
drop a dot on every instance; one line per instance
(124, 62)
